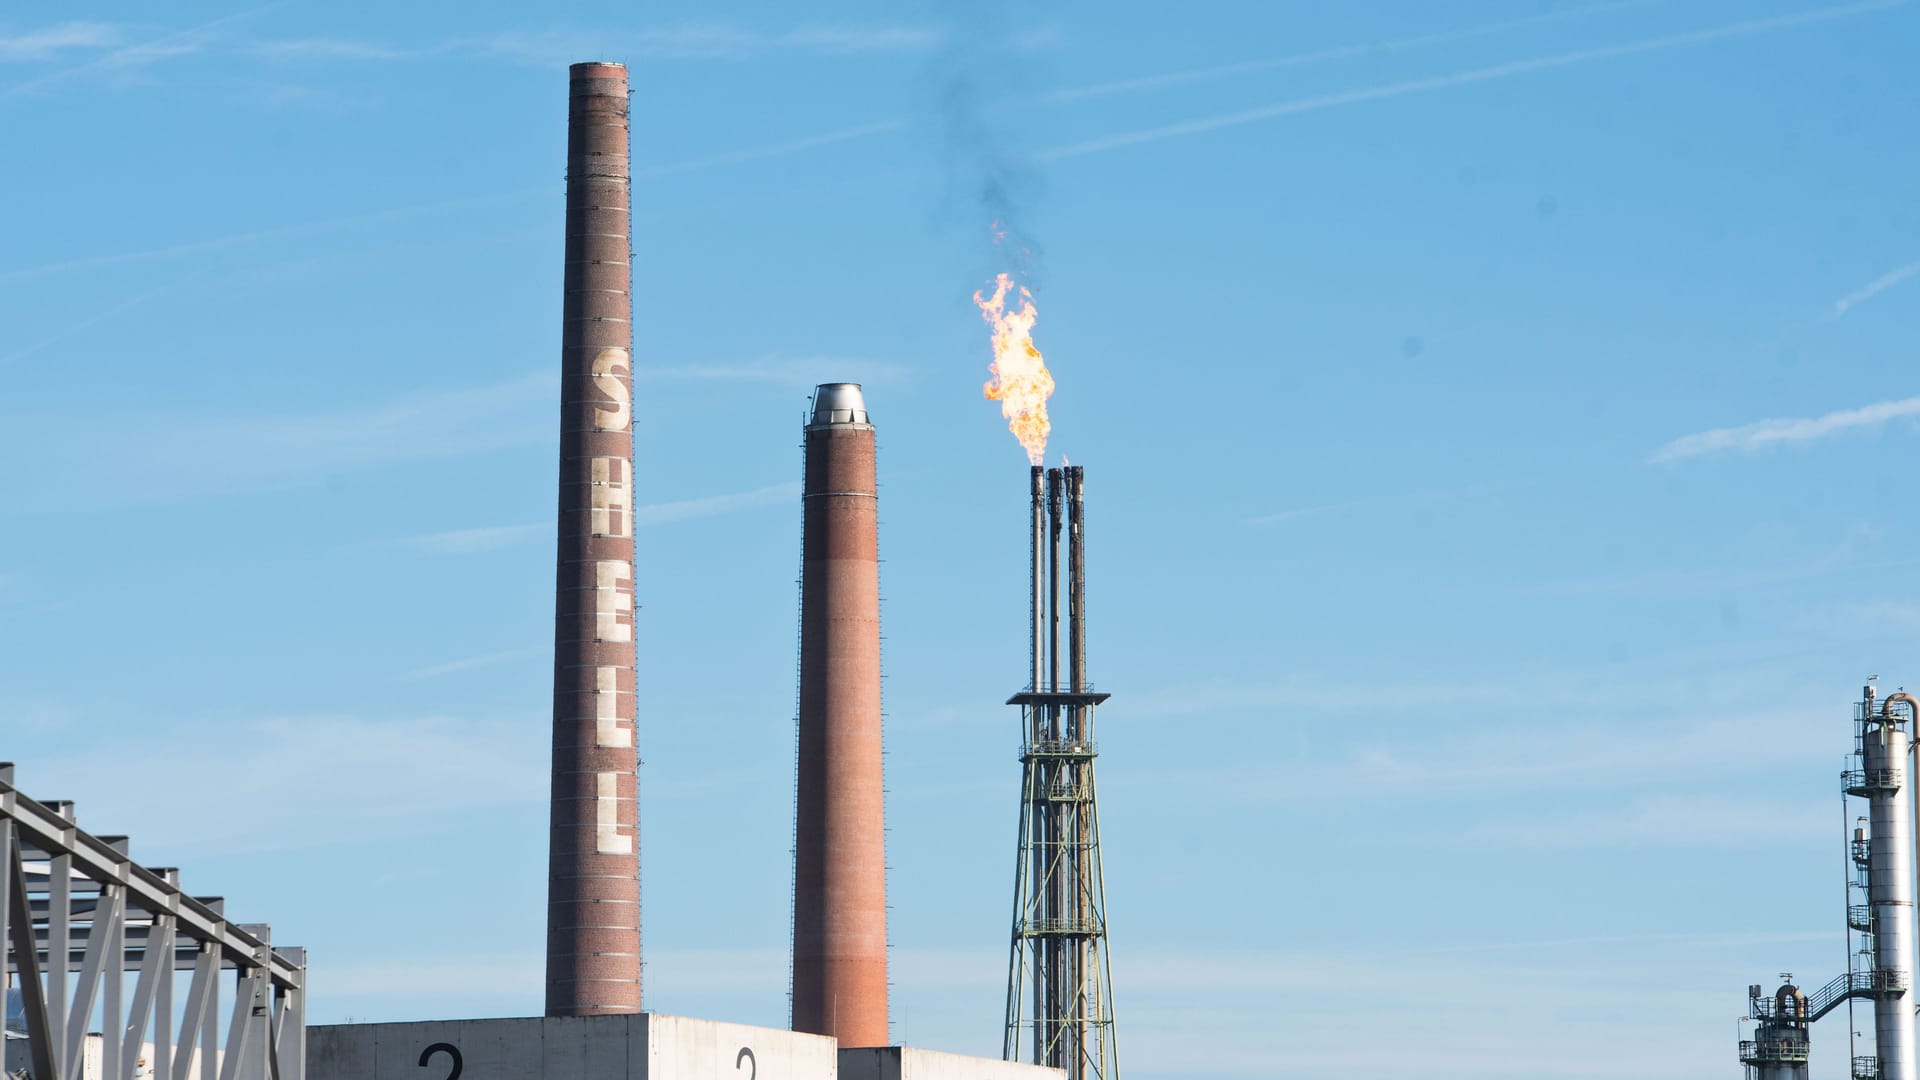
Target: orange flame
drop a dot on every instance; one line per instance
(1021, 382)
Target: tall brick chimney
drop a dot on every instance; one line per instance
(839, 875)
(593, 875)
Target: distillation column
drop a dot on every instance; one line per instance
(1779, 1047)
(1885, 742)
(593, 874)
(839, 872)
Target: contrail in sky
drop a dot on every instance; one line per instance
(495, 537)
(1340, 52)
(175, 44)
(1787, 430)
(1111, 142)
(99, 317)
(288, 232)
(1466, 78)
(468, 664)
(1872, 289)
(781, 149)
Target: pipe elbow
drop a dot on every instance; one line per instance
(1912, 703)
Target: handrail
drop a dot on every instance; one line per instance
(1060, 748)
(1885, 778)
(1852, 985)
(1769, 1051)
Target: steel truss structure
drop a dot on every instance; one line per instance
(1059, 985)
(95, 946)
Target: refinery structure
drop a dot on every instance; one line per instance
(1879, 916)
(114, 972)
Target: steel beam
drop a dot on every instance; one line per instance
(113, 1016)
(26, 961)
(206, 976)
(145, 989)
(86, 990)
(147, 890)
(59, 953)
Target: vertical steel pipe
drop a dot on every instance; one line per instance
(839, 877)
(593, 876)
(1076, 585)
(1055, 520)
(1037, 494)
(1037, 732)
(1079, 886)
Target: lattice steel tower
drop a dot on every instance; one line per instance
(1059, 986)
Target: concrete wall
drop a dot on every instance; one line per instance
(18, 1058)
(906, 1063)
(645, 1046)
(680, 1048)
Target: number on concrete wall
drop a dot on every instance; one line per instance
(746, 1058)
(451, 1051)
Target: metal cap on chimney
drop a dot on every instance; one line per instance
(839, 404)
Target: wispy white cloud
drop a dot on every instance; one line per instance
(261, 236)
(229, 241)
(320, 48)
(1872, 289)
(372, 983)
(164, 456)
(186, 42)
(771, 150)
(496, 537)
(428, 423)
(841, 40)
(1726, 580)
(1316, 103)
(68, 329)
(1778, 432)
(687, 41)
(796, 371)
(699, 41)
(1690, 940)
(1404, 762)
(477, 540)
(1422, 499)
(1661, 821)
(468, 664)
(1166, 80)
(371, 776)
(1304, 512)
(48, 42)
(687, 509)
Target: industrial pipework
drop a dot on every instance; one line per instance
(1059, 988)
(593, 874)
(839, 851)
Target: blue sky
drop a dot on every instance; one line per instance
(1496, 416)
